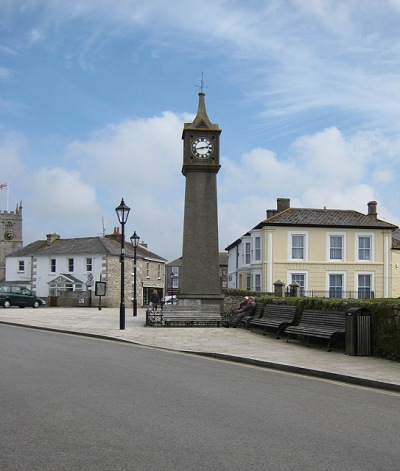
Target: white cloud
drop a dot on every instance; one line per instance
(324, 169)
(139, 160)
(60, 201)
(296, 63)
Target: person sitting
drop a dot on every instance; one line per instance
(246, 308)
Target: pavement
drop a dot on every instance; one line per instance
(239, 344)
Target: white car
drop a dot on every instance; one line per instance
(168, 299)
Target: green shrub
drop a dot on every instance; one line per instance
(385, 316)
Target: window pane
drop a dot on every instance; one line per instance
(300, 279)
(335, 286)
(257, 281)
(336, 247)
(247, 257)
(364, 286)
(364, 248)
(257, 242)
(298, 247)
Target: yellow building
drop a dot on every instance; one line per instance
(319, 252)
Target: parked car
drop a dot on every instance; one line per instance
(170, 299)
(20, 296)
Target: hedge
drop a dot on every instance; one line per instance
(385, 316)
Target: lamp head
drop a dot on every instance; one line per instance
(135, 239)
(122, 212)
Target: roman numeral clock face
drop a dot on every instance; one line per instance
(202, 148)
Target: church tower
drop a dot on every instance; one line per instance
(10, 235)
(199, 281)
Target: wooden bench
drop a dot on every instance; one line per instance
(193, 316)
(257, 312)
(275, 316)
(154, 318)
(319, 324)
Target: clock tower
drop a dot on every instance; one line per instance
(200, 279)
(10, 235)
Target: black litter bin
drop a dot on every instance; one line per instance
(358, 331)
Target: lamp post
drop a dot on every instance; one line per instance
(122, 212)
(172, 287)
(135, 242)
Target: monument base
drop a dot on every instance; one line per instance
(203, 301)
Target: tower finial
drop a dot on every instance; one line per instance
(201, 81)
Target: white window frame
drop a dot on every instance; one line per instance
(342, 235)
(89, 264)
(356, 280)
(304, 234)
(21, 266)
(53, 263)
(344, 281)
(299, 272)
(257, 285)
(372, 248)
(257, 250)
(247, 253)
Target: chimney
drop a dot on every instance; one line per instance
(270, 213)
(51, 238)
(282, 204)
(372, 209)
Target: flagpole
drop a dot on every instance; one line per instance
(8, 195)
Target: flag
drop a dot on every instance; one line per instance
(3, 186)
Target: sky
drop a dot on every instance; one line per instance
(94, 95)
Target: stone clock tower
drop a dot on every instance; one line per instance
(199, 280)
(10, 235)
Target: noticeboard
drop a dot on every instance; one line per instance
(100, 288)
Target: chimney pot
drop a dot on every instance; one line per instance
(372, 206)
(282, 204)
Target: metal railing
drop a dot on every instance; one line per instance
(333, 293)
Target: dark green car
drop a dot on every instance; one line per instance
(20, 296)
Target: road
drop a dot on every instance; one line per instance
(75, 403)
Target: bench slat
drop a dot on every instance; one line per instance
(276, 316)
(319, 324)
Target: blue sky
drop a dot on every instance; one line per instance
(94, 94)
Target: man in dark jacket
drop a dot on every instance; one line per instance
(246, 308)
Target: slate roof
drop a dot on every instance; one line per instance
(82, 246)
(329, 218)
(338, 218)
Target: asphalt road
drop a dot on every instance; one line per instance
(73, 403)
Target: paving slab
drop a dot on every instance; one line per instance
(218, 342)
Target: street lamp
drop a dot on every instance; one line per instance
(172, 287)
(135, 242)
(122, 212)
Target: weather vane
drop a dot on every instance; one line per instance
(201, 81)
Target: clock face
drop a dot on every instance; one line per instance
(8, 235)
(202, 148)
